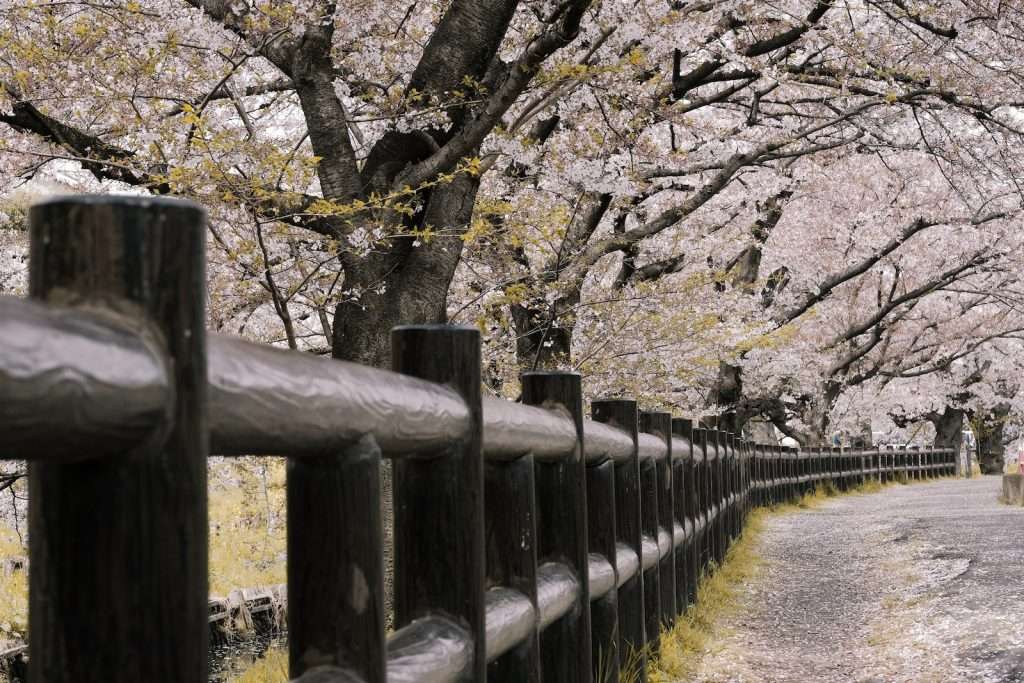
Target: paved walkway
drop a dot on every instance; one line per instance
(919, 583)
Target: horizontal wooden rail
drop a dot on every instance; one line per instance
(269, 401)
(512, 430)
(77, 383)
(96, 377)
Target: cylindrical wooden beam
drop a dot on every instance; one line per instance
(714, 456)
(510, 538)
(622, 413)
(77, 384)
(660, 424)
(118, 578)
(732, 486)
(685, 503)
(438, 497)
(777, 473)
(601, 539)
(562, 528)
(653, 476)
(703, 486)
(335, 563)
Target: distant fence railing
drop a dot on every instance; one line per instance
(529, 541)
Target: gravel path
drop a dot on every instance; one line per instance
(914, 583)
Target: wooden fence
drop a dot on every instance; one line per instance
(530, 542)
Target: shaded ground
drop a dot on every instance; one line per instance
(914, 583)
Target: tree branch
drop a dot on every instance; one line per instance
(792, 35)
(565, 27)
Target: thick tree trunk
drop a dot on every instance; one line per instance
(949, 433)
(758, 430)
(817, 415)
(541, 344)
(988, 428)
(728, 388)
(544, 335)
(405, 285)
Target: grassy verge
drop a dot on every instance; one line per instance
(718, 595)
(13, 589)
(13, 606)
(271, 668)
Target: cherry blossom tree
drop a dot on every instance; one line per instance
(752, 91)
(337, 148)
(759, 207)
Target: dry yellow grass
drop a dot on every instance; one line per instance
(13, 605)
(13, 589)
(717, 597)
(247, 529)
(271, 668)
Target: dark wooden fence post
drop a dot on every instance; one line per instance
(833, 466)
(858, 466)
(684, 502)
(718, 486)
(783, 473)
(335, 563)
(562, 528)
(839, 456)
(843, 458)
(806, 471)
(779, 474)
(764, 473)
(745, 450)
(118, 568)
(862, 466)
(439, 506)
(510, 539)
(736, 485)
(702, 484)
(660, 424)
(823, 466)
(794, 470)
(622, 413)
(721, 496)
(712, 459)
(601, 539)
(649, 505)
(728, 493)
(755, 474)
(723, 493)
